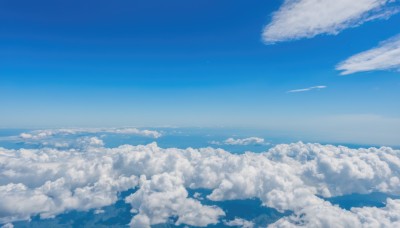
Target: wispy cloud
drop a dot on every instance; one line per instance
(298, 19)
(241, 142)
(307, 89)
(42, 134)
(385, 56)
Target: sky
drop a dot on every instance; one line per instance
(184, 113)
(326, 70)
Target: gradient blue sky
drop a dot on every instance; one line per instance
(187, 63)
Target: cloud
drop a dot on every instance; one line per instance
(325, 215)
(339, 170)
(89, 142)
(307, 89)
(165, 196)
(238, 222)
(241, 142)
(298, 19)
(8, 225)
(384, 57)
(42, 134)
(388, 216)
(98, 211)
(50, 181)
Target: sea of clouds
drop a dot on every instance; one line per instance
(289, 177)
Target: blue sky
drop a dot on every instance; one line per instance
(189, 63)
(285, 106)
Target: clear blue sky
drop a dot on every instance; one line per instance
(184, 63)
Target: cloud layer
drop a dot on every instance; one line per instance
(384, 57)
(241, 142)
(307, 18)
(43, 134)
(50, 181)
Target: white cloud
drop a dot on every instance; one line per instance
(388, 216)
(238, 222)
(339, 170)
(298, 19)
(98, 211)
(384, 57)
(8, 225)
(90, 141)
(325, 215)
(241, 142)
(198, 196)
(50, 181)
(42, 134)
(307, 89)
(165, 196)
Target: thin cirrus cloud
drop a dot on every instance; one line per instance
(298, 19)
(307, 89)
(385, 56)
(241, 142)
(43, 134)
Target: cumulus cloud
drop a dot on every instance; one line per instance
(238, 222)
(384, 57)
(42, 134)
(198, 196)
(241, 142)
(90, 142)
(388, 216)
(324, 215)
(165, 196)
(8, 225)
(298, 19)
(335, 171)
(50, 181)
(307, 89)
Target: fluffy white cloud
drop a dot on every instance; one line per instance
(306, 89)
(238, 222)
(241, 142)
(388, 216)
(165, 196)
(89, 141)
(49, 181)
(384, 57)
(8, 225)
(42, 134)
(325, 215)
(339, 170)
(307, 18)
